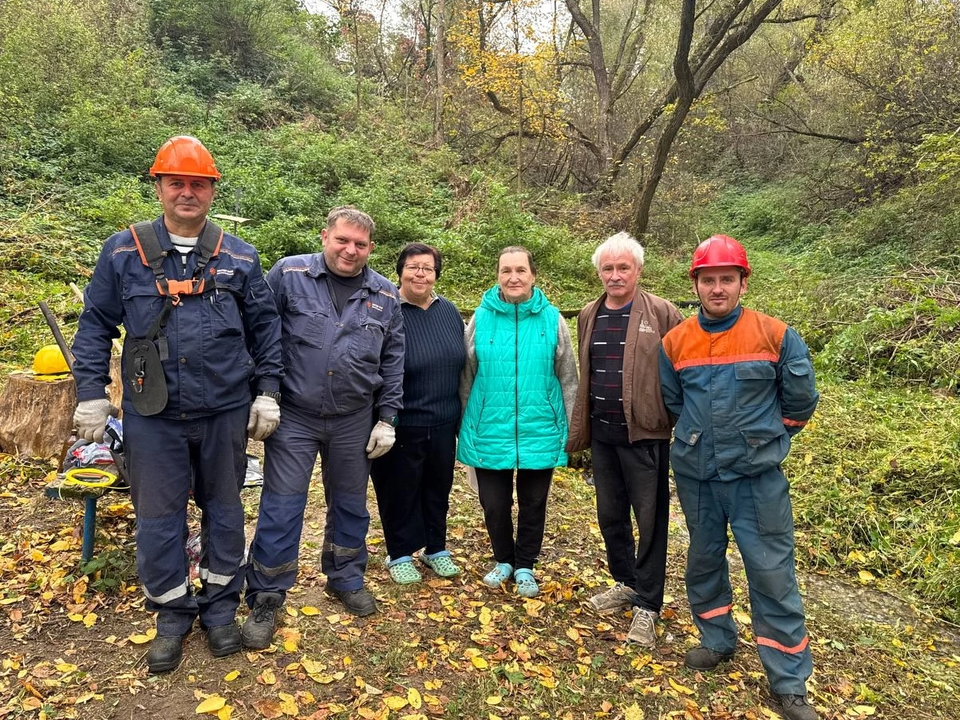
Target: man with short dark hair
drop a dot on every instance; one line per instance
(342, 335)
(201, 325)
(740, 384)
(620, 416)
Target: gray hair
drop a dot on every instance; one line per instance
(350, 215)
(622, 242)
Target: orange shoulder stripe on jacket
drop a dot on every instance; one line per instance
(753, 337)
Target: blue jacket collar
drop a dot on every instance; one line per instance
(723, 324)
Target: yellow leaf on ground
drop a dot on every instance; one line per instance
(267, 677)
(225, 713)
(865, 710)
(494, 700)
(231, 676)
(866, 576)
(683, 689)
(395, 702)
(309, 610)
(573, 634)
(433, 684)
(634, 712)
(479, 663)
(288, 705)
(90, 619)
(548, 682)
(955, 539)
(414, 698)
(66, 667)
(741, 617)
(210, 706)
(145, 638)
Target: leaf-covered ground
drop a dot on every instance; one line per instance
(73, 646)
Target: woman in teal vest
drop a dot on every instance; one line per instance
(518, 389)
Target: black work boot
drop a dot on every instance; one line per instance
(359, 602)
(223, 639)
(704, 658)
(796, 707)
(165, 653)
(258, 628)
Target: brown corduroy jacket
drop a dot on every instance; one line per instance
(651, 318)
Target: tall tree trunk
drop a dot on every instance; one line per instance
(685, 96)
(439, 56)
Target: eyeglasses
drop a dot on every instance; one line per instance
(425, 269)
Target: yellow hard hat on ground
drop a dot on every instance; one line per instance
(49, 361)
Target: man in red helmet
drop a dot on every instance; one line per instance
(202, 334)
(740, 384)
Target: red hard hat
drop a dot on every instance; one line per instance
(719, 251)
(184, 155)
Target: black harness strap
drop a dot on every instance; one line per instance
(152, 255)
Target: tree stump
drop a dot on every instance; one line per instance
(36, 416)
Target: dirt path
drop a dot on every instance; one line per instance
(73, 648)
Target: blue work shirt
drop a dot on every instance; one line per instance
(740, 387)
(217, 342)
(338, 364)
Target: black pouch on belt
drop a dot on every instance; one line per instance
(143, 379)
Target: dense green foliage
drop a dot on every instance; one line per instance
(853, 244)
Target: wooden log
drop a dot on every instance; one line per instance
(36, 416)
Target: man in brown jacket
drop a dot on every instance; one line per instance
(619, 414)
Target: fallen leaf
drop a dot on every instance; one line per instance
(231, 676)
(395, 702)
(414, 698)
(210, 706)
(309, 610)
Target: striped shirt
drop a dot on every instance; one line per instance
(607, 342)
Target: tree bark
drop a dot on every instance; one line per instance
(36, 416)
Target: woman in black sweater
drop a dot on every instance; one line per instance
(413, 480)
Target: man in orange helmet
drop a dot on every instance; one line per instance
(740, 385)
(202, 336)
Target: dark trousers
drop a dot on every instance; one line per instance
(413, 484)
(758, 512)
(167, 460)
(496, 498)
(289, 458)
(634, 477)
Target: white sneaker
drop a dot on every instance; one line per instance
(643, 630)
(618, 597)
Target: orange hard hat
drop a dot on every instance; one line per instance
(49, 361)
(184, 155)
(719, 251)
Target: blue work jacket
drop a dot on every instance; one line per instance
(740, 387)
(217, 342)
(338, 364)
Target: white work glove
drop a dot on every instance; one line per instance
(264, 417)
(381, 439)
(90, 418)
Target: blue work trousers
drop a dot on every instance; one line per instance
(760, 515)
(634, 477)
(289, 458)
(413, 484)
(167, 460)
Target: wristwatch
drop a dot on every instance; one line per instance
(392, 420)
(269, 394)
